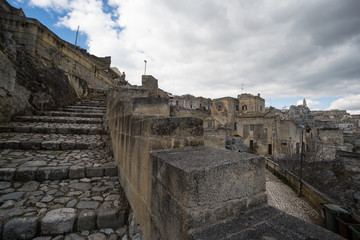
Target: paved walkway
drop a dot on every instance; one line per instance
(284, 198)
(57, 180)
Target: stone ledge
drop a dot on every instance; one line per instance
(55, 173)
(262, 223)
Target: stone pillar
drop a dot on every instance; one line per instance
(151, 84)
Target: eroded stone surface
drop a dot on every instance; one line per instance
(58, 221)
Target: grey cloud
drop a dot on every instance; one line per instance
(329, 22)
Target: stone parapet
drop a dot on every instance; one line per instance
(173, 191)
(196, 186)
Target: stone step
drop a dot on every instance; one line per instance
(71, 114)
(86, 107)
(34, 141)
(58, 119)
(40, 165)
(78, 110)
(51, 128)
(56, 207)
(92, 103)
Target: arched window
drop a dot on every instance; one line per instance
(244, 107)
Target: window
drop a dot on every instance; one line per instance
(237, 107)
(252, 127)
(297, 148)
(219, 107)
(235, 126)
(251, 145)
(244, 107)
(270, 149)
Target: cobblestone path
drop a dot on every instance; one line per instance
(57, 180)
(286, 199)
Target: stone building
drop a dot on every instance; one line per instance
(251, 103)
(191, 102)
(268, 134)
(224, 111)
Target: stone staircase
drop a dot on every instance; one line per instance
(57, 179)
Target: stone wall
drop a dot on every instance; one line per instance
(37, 68)
(215, 137)
(40, 42)
(173, 191)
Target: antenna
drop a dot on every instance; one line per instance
(145, 67)
(77, 32)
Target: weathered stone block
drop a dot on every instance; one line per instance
(33, 145)
(94, 172)
(76, 172)
(25, 174)
(68, 145)
(20, 228)
(86, 220)
(50, 145)
(82, 145)
(110, 218)
(196, 186)
(12, 144)
(58, 221)
(111, 171)
(51, 173)
(7, 174)
(87, 205)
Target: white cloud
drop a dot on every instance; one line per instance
(279, 48)
(312, 104)
(350, 103)
(57, 5)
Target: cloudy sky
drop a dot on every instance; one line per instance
(286, 50)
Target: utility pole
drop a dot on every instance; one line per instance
(145, 67)
(301, 158)
(77, 32)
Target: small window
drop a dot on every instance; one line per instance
(235, 126)
(252, 127)
(270, 149)
(219, 108)
(237, 107)
(244, 107)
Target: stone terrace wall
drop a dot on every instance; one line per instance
(172, 192)
(40, 43)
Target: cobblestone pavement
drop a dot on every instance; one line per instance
(57, 180)
(286, 199)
